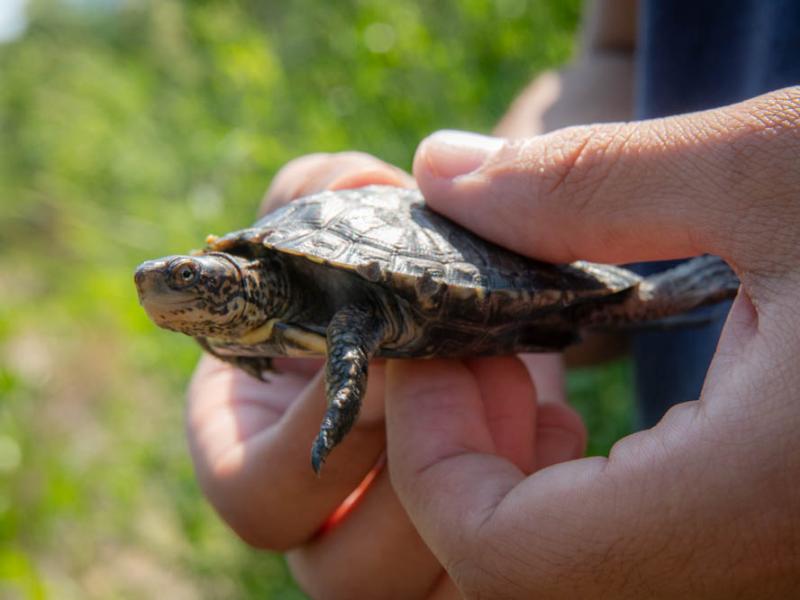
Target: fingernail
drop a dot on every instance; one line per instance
(449, 154)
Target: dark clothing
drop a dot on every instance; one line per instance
(694, 55)
(698, 54)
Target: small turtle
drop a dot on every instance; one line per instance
(372, 272)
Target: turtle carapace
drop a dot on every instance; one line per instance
(372, 272)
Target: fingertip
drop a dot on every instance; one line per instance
(446, 158)
(560, 435)
(210, 380)
(475, 181)
(291, 178)
(314, 173)
(509, 404)
(437, 425)
(449, 154)
(433, 410)
(440, 453)
(433, 188)
(547, 370)
(381, 175)
(430, 387)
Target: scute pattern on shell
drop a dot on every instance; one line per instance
(388, 234)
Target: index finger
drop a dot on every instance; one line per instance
(714, 181)
(318, 172)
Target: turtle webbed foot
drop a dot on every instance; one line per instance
(335, 425)
(345, 386)
(319, 452)
(354, 335)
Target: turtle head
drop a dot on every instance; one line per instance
(210, 295)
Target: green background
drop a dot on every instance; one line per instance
(131, 129)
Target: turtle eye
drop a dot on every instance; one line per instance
(184, 274)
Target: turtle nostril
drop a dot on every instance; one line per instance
(139, 277)
(143, 276)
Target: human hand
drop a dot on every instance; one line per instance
(705, 504)
(250, 442)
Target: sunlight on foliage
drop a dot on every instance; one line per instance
(131, 129)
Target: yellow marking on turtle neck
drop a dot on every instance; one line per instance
(307, 340)
(259, 334)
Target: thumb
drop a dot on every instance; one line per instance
(665, 188)
(439, 445)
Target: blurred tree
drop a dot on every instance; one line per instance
(131, 128)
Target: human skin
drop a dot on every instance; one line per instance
(251, 450)
(703, 505)
(250, 442)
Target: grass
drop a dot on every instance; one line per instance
(132, 129)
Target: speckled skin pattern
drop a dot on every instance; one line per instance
(354, 335)
(372, 272)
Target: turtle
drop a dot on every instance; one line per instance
(373, 272)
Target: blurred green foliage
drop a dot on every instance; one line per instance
(130, 129)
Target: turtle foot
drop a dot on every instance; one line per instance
(319, 451)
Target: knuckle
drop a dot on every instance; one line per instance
(566, 167)
(582, 158)
(757, 155)
(559, 178)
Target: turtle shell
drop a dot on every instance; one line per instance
(388, 236)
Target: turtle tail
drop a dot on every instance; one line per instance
(661, 299)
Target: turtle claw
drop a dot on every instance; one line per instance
(319, 452)
(335, 425)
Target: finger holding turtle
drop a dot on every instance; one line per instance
(373, 272)
(219, 393)
(313, 173)
(249, 440)
(244, 435)
(377, 535)
(674, 511)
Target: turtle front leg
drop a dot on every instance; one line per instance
(354, 335)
